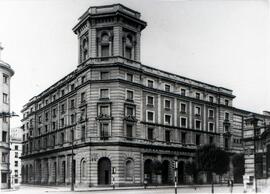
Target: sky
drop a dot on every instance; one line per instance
(221, 42)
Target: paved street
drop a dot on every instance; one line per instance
(163, 190)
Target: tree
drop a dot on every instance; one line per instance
(192, 170)
(238, 162)
(212, 159)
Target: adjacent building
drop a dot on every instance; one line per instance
(15, 154)
(5, 73)
(120, 116)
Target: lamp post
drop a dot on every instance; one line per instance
(175, 175)
(8, 115)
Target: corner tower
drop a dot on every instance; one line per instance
(111, 31)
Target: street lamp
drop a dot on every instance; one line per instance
(8, 115)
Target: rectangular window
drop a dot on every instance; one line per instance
(16, 147)
(105, 50)
(104, 75)
(150, 83)
(62, 138)
(16, 181)
(211, 99)
(104, 93)
(16, 173)
(83, 78)
(183, 92)
(104, 131)
(168, 119)
(211, 127)
(150, 100)
(16, 154)
(72, 87)
(4, 136)
(5, 98)
(53, 113)
(150, 116)
(198, 95)
(62, 122)
(129, 77)
(4, 157)
(167, 104)
(104, 109)
(63, 108)
(130, 111)
(211, 113)
(226, 142)
(62, 92)
(227, 116)
(5, 78)
(226, 102)
(197, 111)
(82, 97)
(183, 122)
(3, 177)
(72, 104)
(167, 136)
(150, 133)
(16, 164)
(72, 119)
(198, 124)
(129, 95)
(183, 137)
(129, 131)
(198, 139)
(183, 108)
(167, 88)
(83, 133)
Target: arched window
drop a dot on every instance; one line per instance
(83, 169)
(129, 169)
(128, 52)
(84, 48)
(105, 45)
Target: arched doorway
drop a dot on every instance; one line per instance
(181, 171)
(104, 171)
(165, 172)
(148, 170)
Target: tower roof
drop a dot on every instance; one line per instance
(111, 10)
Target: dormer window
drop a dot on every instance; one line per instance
(167, 88)
(198, 95)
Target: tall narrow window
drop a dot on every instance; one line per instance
(150, 100)
(104, 131)
(183, 122)
(128, 47)
(4, 136)
(150, 133)
(104, 93)
(105, 45)
(129, 95)
(183, 108)
(167, 136)
(183, 137)
(167, 104)
(129, 129)
(198, 139)
(150, 116)
(150, 83)
(5, 78)
(104, 75)
(84, 48)
(83, 133)
(5, 98)
(82, 97)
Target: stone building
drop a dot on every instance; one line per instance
(15, 154)
(122, 116)
(6, 73)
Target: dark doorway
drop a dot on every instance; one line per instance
(63, 170)
(104, 171)
(148, 170)
(165, 172)
(209, 177)
(74, 171)
(55, 172)
(181, 167)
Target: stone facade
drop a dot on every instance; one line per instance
(120, 115)
(6, 73)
